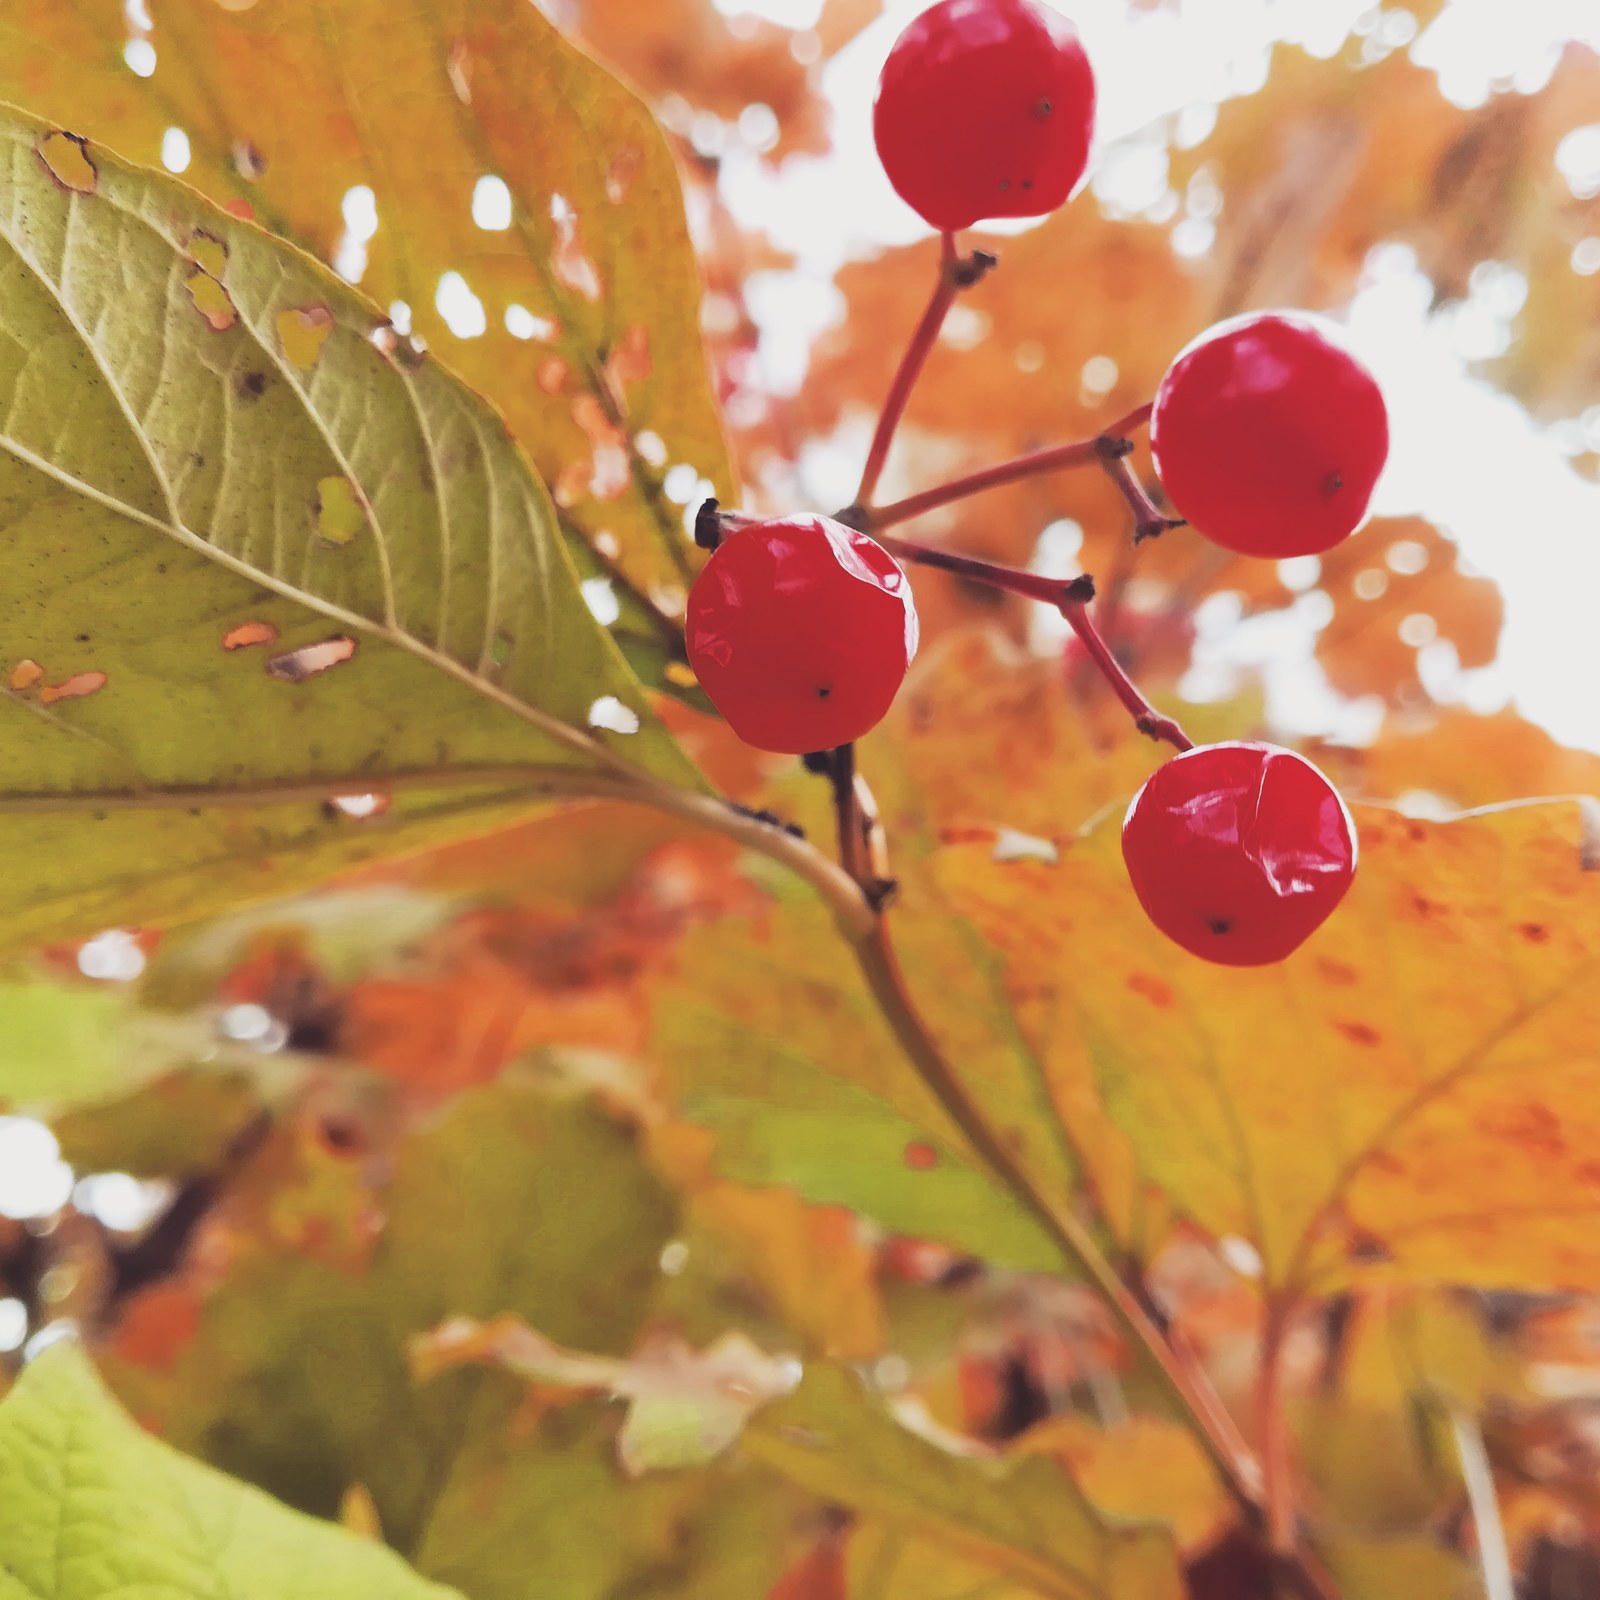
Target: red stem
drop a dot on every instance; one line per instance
(1071, 596)
(954, 276)
(1147, 719)
(1076, 454)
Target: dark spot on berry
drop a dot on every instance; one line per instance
(1220, 925)
(1332, 484)
(1042, 109)
(824, 691)
(1534, 932)
(1027, 183)
(1005, 183)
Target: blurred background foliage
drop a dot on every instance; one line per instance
(611, 1078)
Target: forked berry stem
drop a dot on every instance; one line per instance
(1071, 596)
(1108, 449)
(955, 274)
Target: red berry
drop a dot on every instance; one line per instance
(1268, 435)
(800, 630)
(1238, 852)
(985, 109)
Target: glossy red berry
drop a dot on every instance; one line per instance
(985, 109)
(1238, 852)
(800, 630)
(1269, 434)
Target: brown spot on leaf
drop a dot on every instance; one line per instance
(1534, 932)
(295, 666)
(25, 674)
(921, 1157)
(628, 364)
(65, 156)
(1156, 990)
(247, 634)
(1336, 972)
(242, 209)
(78, 687)
(569, 261)
(1359, 1033)
(1533, 1128)
(252, 385)
(624, 168)
(303, 330)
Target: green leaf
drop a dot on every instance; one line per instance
(91, 1506)
(418, 99)
(197, 655)
(61, 1044)
(777, 1048)
(1019, 1517)
(299, 1378)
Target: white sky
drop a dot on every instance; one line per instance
(1464, 455)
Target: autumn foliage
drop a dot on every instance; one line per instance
(463, 1129)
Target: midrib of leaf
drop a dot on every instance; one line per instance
(387, 629)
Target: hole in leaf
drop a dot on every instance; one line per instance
(78, 687)
(295, 666)
(242, 209)
(211, 301)
(66, 158)
(521, 323)
(359, 807)
(24, 675)
(404, 350)
(303, 330)
(601, 600)
(340, 513)
(491, 204)
(651, 447)
(175, 152)
(609, 713)
(461, 309)
(209, 253)
(552, 374)
(140, 56)
(247, 634)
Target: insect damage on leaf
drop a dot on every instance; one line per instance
(295, 666)
(66, 158)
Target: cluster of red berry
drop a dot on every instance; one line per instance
(1267, 435)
